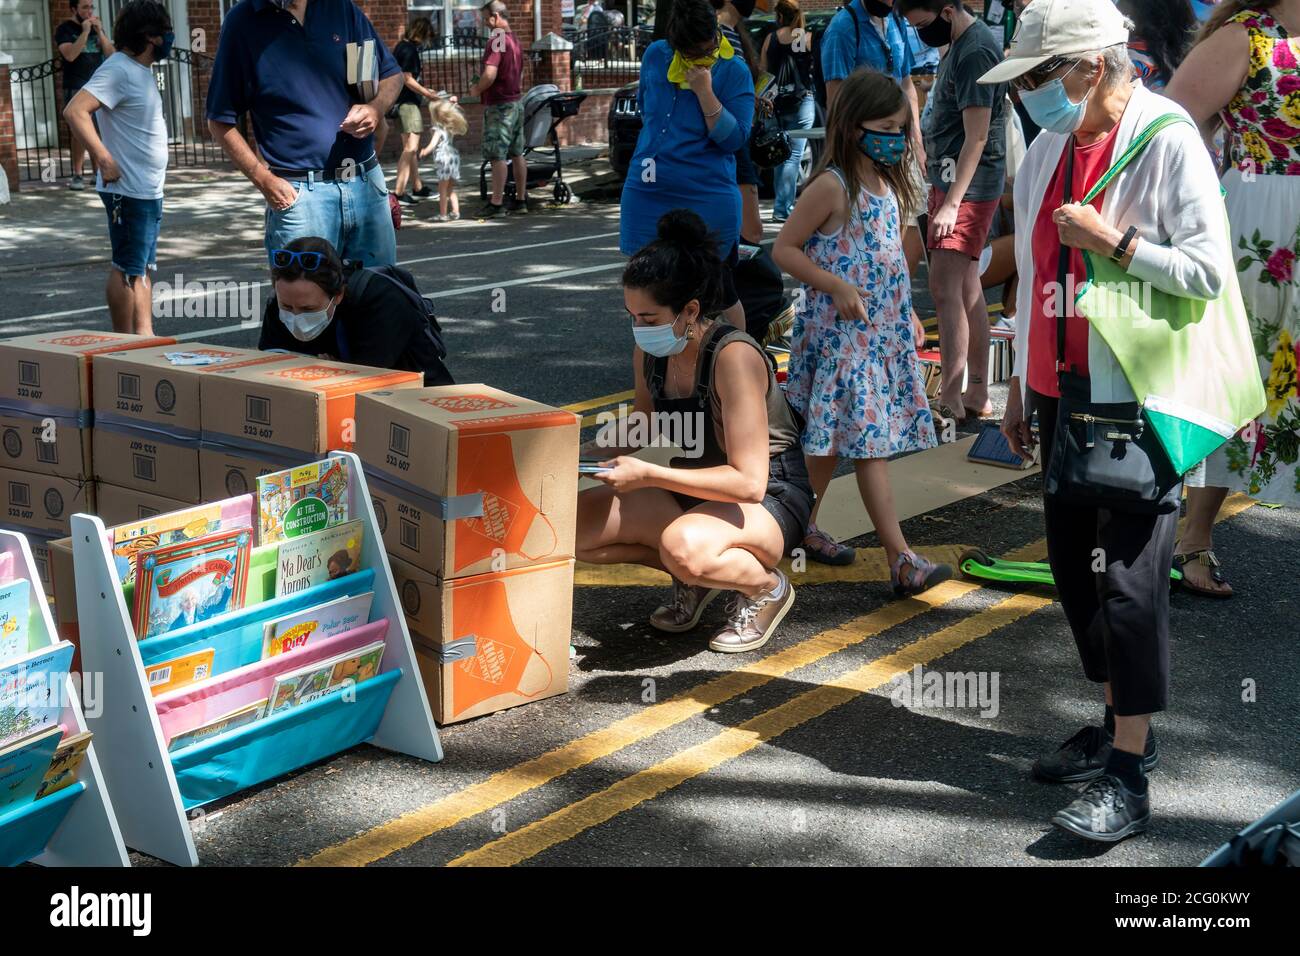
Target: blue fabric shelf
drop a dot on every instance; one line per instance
(27, 828)
(283, 743)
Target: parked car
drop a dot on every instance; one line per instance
(624, 119)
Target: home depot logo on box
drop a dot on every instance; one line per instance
(467, 403)
(310, 373)
(77, 341)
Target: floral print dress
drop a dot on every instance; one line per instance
(1263, 200)
(858, 384)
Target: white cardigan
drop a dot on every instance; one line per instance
(1170, 192)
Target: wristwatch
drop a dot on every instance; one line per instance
(1122, 249)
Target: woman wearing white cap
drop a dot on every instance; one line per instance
(1161, 219)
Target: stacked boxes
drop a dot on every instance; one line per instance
(149, 417)
(46, 416)
(475, 492)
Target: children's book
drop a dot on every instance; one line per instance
(312, 559)
(128, 540)
(15, 609)
(315, 624)
(32, 691)
(23, 765)
(317, 680)
(237, 718)
(179, 671)
(181, 584)
(302, 500)
(67, 760)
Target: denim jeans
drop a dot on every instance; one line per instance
(786, 176)
(352, 214)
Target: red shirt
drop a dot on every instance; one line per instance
(503, 52)
(1089, 164)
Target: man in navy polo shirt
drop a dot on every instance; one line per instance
(284, 63)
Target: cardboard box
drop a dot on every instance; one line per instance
(230, 472)
(300, 407)
(62, 586)
(42, 504)
(117, 505)
(454, 440)
(46, 398)
(148, 416)
(489, 641)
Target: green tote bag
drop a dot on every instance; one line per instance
(1190, 362)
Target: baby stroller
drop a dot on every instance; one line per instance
(544, 108)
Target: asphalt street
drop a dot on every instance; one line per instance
(663, 752)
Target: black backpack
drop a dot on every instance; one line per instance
(360, 279)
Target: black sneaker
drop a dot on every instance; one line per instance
(1106, 812)
(519, 208)
(1083, 757)
(423, 192)
(491, 210)
(408, 199)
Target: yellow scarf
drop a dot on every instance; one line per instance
(679, 65)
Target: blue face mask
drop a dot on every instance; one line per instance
(1051, 107)
(885, 149)
(659, 340)
(165, 50)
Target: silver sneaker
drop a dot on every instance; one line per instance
(684, 613)
(77, 183)
(753, 621)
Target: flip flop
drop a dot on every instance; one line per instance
(1208, 558)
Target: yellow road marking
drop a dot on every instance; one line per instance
(416, 825)
(870, 565)
(598, 808)
(599, 402)
(567, 822)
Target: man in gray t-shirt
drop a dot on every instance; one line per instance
(131, 156)
(965, 144)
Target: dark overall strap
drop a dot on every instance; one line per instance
(1063, 265)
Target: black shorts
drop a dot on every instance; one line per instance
(728, 293)
(789, 497)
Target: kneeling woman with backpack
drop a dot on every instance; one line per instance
(340, 310)
(721, 516)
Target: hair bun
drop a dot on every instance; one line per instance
(681, 227)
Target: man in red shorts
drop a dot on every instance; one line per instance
(966, 147)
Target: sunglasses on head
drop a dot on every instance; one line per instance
(1039, 75)
(307, 261)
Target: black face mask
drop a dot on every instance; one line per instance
(876, 8)
(936, 33)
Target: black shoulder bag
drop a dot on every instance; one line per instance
(1103, 455)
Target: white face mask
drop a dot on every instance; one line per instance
(305, 326)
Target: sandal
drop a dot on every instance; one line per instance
(824, 549)
(1206, 558)
(921, 574)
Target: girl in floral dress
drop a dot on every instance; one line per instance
(1245, 73)
(853, 368)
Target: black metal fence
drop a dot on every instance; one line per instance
(42, 136)
(454, 63)
(608, 59)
